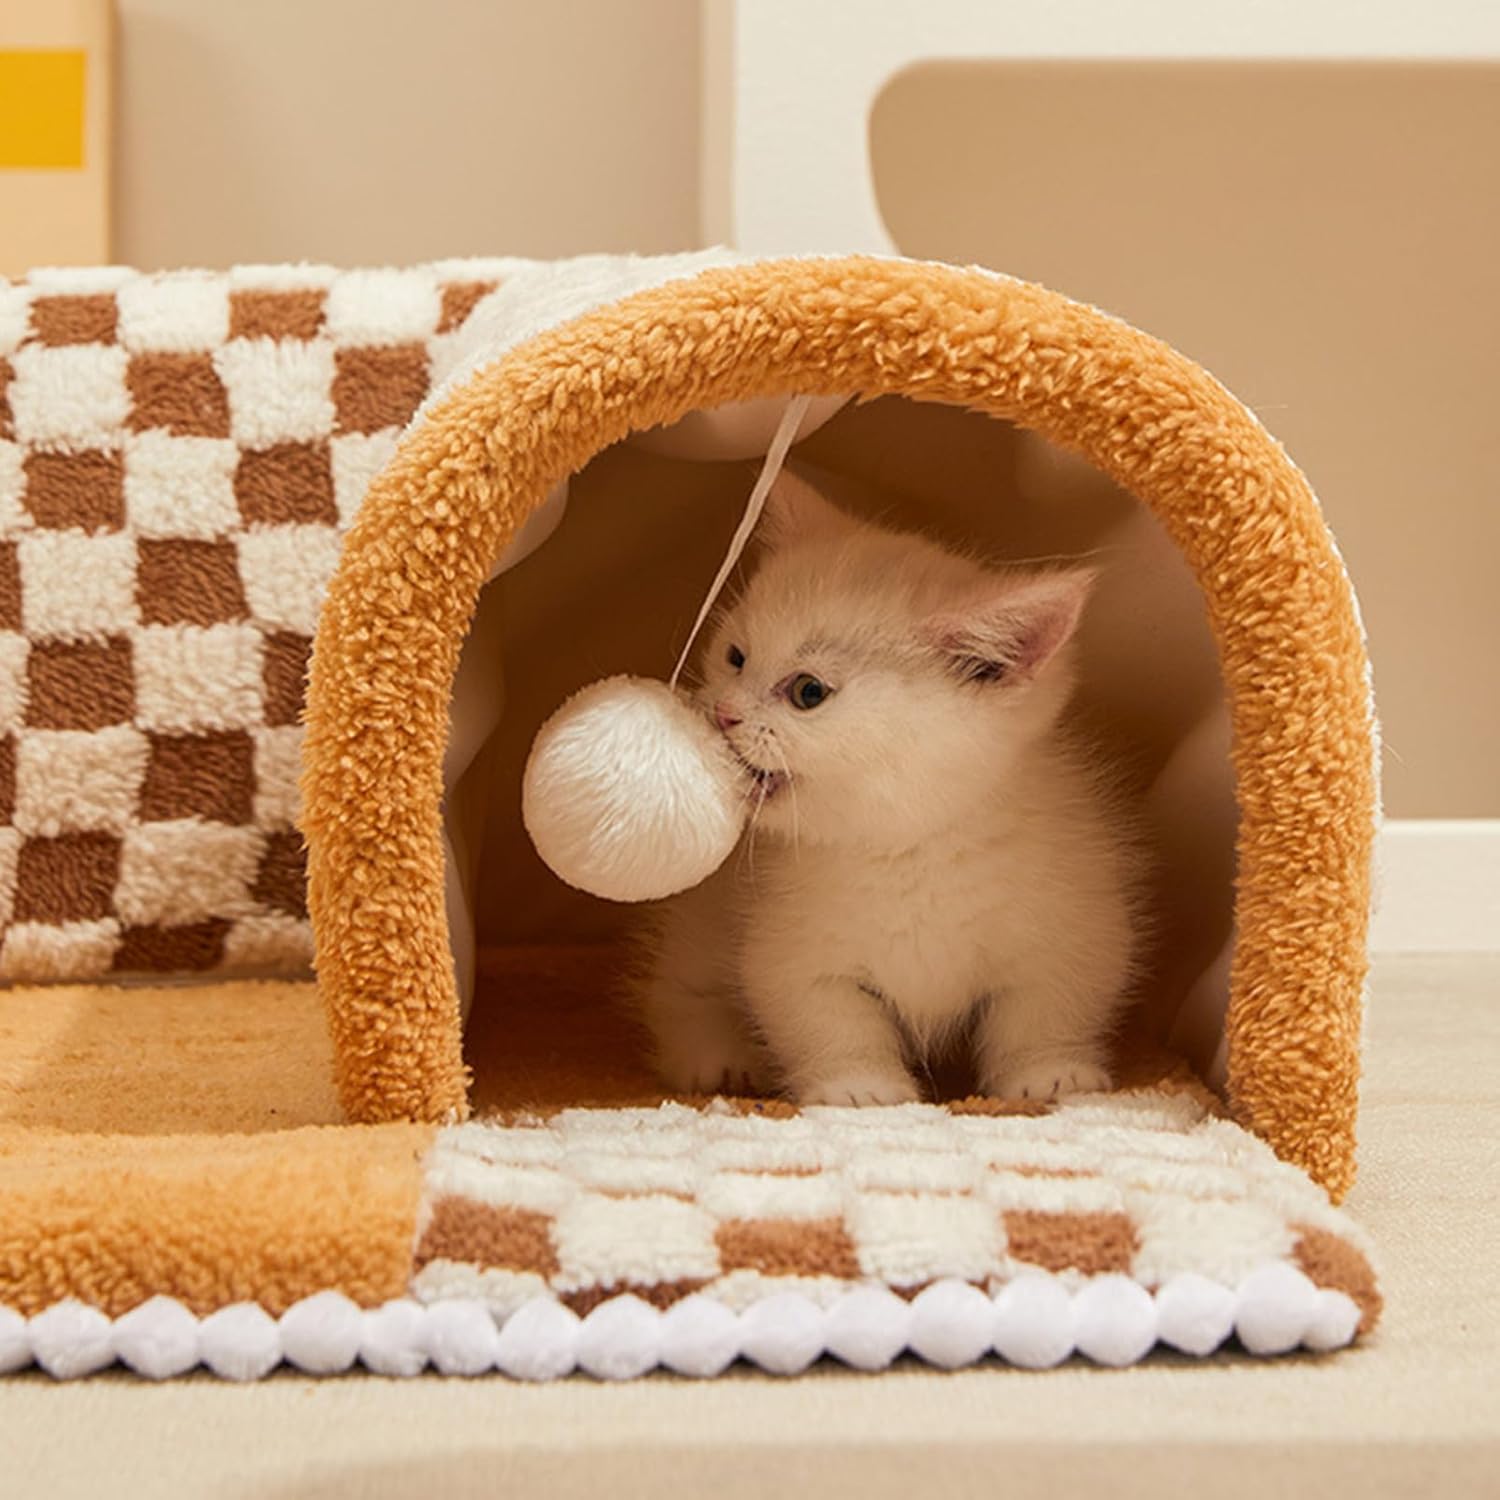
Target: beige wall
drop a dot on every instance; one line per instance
(1324, 239)
(370, 131)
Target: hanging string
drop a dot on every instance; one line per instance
(780, 445)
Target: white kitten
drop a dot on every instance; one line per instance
(927, 851)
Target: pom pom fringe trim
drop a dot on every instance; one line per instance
(1033, 1322)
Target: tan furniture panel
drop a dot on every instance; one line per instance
(1324, 239)
(363, 134)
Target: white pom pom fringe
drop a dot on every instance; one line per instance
(158, 1339)
(242, 1342)
(395, 1339)
(1034, 1322)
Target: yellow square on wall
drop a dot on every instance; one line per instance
(41, 108)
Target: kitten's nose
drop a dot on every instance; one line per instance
(724, 716)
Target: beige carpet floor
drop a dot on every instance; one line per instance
(1416, 1411)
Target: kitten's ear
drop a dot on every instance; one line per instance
(1011, 630)
(796, 512)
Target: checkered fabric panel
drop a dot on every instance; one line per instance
(179, 457)
(740, 1202)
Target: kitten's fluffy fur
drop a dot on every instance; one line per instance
(928, 852)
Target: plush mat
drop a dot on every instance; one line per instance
(174, 1191)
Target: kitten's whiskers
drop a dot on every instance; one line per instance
(791, 786)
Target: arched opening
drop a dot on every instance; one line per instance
(644, 531)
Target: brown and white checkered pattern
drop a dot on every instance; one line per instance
(179, 457)
(743, 1203)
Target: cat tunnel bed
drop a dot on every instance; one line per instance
(556, 1219)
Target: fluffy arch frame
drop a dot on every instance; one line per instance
(467, 475)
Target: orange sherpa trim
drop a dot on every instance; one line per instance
(1278, 601)
(209, 1219)
(182, 1140)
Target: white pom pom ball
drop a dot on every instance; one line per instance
(630, 793)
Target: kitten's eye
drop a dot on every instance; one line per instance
(736, 658)
(805, 691)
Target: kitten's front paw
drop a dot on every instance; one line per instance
(859, 1088)
(1049, 1078)
(714, 1065)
